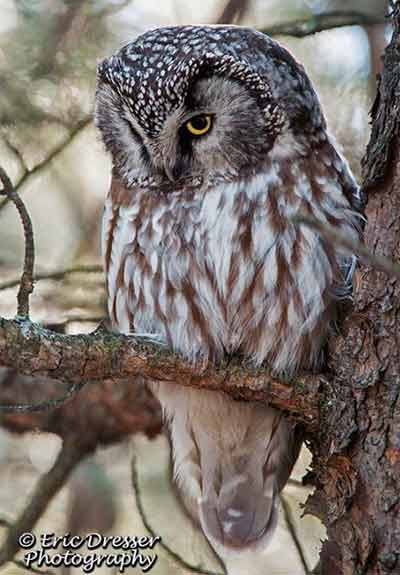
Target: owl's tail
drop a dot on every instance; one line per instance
(241, 514)
(231, 459)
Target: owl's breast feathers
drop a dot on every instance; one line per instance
(223, 268)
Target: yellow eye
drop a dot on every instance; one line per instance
(199, 125)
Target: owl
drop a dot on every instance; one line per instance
(218, 142)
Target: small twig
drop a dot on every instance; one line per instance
(233, 12)
(4, 522)
(321, 22)
(57, 326)
(55, 152)
(16, 152)
(47, 486)
(42, 405)
(22, 565)
(142, 513)
(111, 9)
(26, 284)
(287, 512)
(339, 238)
(55, 275)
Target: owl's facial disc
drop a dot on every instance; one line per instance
(166, 82)
(219, 129)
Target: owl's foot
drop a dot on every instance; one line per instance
(155, 338)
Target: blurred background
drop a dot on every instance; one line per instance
(49, 50)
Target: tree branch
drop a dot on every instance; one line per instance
(100, 415)
(56, 151)
(99, 356)
(26, 282)
(233, 11)
(15, 151)
(47, 486)
(322, 22)
(55, 275)
(42, 405)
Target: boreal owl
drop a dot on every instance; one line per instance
(218, 142)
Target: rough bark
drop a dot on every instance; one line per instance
(357, 449)
(101, 356)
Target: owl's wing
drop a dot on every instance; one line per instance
(356, 198)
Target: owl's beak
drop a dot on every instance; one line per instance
(169, 170)
(167, 157)
(174, 171)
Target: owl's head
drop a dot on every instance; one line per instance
(201, 102)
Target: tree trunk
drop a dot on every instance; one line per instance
(357, 451)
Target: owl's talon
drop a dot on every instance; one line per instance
(155, 338)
